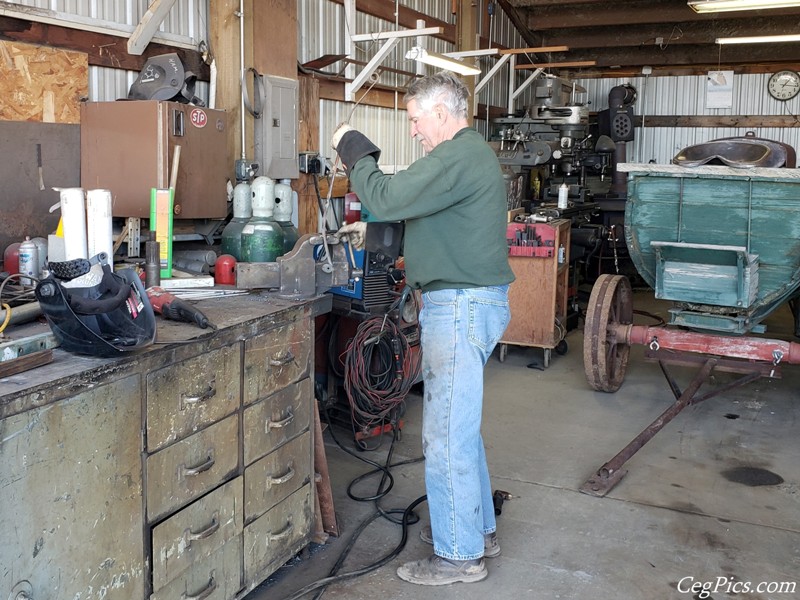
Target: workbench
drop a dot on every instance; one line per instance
(182, 471)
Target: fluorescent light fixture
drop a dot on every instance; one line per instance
(760, 39)
(439, 60)
(712, 6)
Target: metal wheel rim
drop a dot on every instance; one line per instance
(604, 360)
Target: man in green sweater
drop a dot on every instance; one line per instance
(453, 202)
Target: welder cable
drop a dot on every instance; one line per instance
(379, 370)
(369, 568)
(405, 521)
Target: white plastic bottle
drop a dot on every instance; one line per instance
(563, 196)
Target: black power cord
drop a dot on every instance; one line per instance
(409, 517)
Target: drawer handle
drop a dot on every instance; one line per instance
(190, 536)
(282, 479)
(283, 534)
(192, 471)
(281, 423)
(209, 589)
(187, 400)
(279, 362)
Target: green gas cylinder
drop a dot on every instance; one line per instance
(262, 237)
(242, 212)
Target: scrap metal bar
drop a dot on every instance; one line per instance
(611, 473)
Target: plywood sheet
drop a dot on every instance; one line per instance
(43, 84)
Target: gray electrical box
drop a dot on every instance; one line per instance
(276, 131)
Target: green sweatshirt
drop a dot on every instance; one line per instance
(453, 202)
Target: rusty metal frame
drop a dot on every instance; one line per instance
(612, 472)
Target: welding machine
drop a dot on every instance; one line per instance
(372, 291)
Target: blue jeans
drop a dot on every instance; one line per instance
(459, 328)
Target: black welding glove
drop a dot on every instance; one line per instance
(352, 145)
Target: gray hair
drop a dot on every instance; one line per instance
(442, 87)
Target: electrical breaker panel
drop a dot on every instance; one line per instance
(276, 130)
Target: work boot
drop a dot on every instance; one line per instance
(491, 548)
(436, 570)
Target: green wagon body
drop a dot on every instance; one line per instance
(722, 243)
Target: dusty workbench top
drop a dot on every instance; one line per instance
(236, 317)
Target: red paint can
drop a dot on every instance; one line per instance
(225, 270)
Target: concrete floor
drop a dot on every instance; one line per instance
(678, 518)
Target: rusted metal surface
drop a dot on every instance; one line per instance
(273, 538)
(273, 478)
(196, 532)
(605, 354)
(71, 485)
(191, 467)
(275, 359)
(610, 473)
(323, 480)
(750, 348)
(189, 395)
(277, 419)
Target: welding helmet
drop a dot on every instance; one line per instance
(107, 319)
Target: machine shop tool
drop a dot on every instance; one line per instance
(171, 307)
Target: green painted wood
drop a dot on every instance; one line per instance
(725, 207)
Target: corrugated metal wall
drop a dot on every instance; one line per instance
(186, 25)
(686, 96)
(323, 31)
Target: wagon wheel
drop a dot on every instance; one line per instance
(604, 359)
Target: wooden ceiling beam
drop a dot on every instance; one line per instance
(685, 55)
(684, 33)
(103, 50)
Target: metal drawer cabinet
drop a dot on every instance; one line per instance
(276, 476)
(197, 532)
(188, 469)
(187, 396)
(70, 496)
(276, 536)
(276, 358)
(277, 419)
(216, 577)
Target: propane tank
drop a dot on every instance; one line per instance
(28, 261)
(283, 214)
(242, 211)
(563, 196)
(262, 237)
(11, 258)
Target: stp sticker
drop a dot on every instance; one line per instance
(198, 117)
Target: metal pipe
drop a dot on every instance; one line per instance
(22, 313)
(241, 72)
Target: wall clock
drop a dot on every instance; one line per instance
(784, 85)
